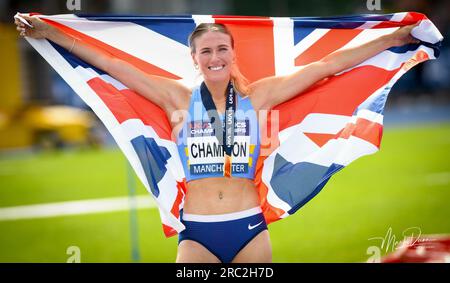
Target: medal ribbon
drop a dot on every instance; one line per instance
(225, 135)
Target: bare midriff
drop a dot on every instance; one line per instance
(220, 195)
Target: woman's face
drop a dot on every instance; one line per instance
(214, 56)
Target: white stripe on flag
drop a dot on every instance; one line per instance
(389, 61)
(283, 39)
(309, 40)
(398, 17)
(318, 123)
(122, 35)
(368, 115)
(368, 24)
(366, 36)
(88, 74)
(341, 151)
(199, 19)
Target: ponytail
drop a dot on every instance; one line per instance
(239, 81)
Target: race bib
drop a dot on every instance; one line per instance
(205, 153)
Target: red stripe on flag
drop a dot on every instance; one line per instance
(369, 131)
(169, 231)
(319, 139)
(254, 46)
(181, 187)
(341, 95)
(331, 41)
(126, 104)
(346, 132)
(364, 129)
(112, 51)
(409, 19)
(271, 213)
(419, 57)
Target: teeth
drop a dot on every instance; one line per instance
(216, 68)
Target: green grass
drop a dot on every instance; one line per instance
(62, 176)
(404, 185)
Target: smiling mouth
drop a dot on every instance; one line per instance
(216, 68)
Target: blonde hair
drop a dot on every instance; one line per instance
(239, 81)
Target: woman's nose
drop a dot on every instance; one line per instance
(214, 56)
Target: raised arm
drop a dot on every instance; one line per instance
(269, 92)
(166, 93)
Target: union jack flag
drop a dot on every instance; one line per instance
(318, 133)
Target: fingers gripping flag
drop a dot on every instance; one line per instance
(319, 132)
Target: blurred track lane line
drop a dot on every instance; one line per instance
(74, 207)
(439, 178)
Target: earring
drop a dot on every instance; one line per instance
(196, 66)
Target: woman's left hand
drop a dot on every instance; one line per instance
(403, 36)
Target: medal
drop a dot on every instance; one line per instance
(227, 166)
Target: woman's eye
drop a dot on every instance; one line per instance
(205, 52)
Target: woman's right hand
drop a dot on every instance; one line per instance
(39, 30)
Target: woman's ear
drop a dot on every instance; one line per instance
(193, 59)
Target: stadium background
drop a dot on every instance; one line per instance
(64, 184)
